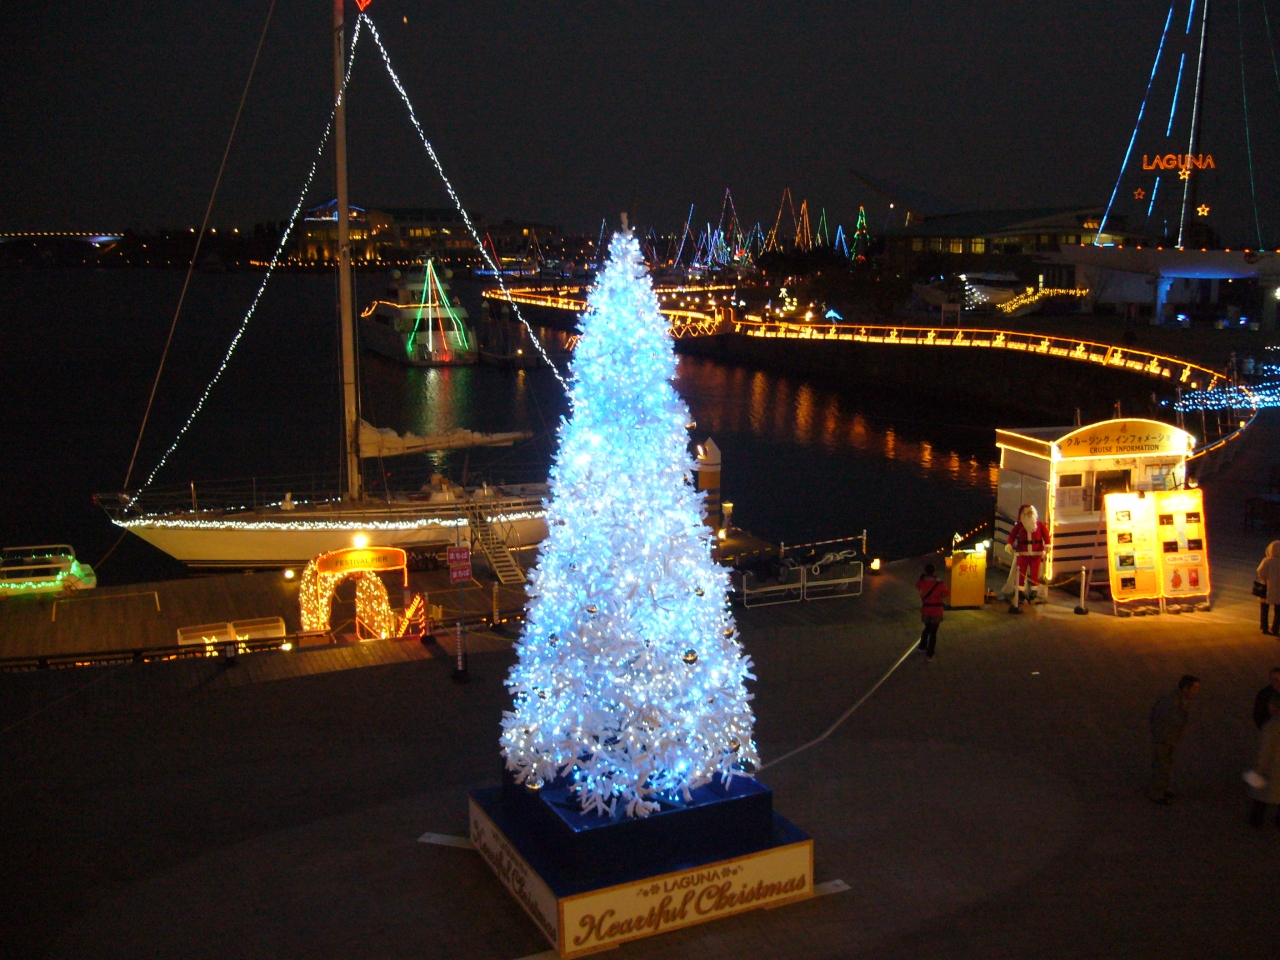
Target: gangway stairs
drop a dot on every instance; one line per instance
(500, 558)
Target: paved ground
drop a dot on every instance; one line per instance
(988, 804)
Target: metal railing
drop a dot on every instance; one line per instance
(841, 580)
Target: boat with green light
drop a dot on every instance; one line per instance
(45, 569)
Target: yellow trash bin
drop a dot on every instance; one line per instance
(968, 581)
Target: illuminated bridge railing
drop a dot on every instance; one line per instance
(1182, 372)
(684, 323)
(697, 323)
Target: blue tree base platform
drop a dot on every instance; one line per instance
(591, 882)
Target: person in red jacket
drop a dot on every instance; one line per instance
(932, 593)
(1028, 542)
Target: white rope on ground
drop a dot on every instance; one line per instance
(848, 713)
(453, 195)
(275, 261)
(204, 224)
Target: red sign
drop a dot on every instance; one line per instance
(459, 572)
(459, 555)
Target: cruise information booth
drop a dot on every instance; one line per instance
(1065, 472)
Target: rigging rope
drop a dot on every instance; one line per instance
(1195, 116)
(453, 195)
(1097, 240)
(199, 240)
(1275, 68)
(1248, 140)
(275, 260)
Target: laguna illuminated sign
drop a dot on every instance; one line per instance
(1180, 161)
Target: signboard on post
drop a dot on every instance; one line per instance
(459, 564)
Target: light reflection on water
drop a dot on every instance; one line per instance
(805, 461)
(779, 409)
(802, 461)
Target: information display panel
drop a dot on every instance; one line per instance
(1132, 547)
(1183, 543)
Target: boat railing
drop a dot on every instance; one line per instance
(304, 493)
(245, 493)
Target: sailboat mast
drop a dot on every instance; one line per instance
(351, 417)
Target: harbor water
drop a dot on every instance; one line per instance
(804, 460)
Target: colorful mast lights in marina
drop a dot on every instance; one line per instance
(435, 298)
(630, 679)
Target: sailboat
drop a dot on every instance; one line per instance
(419, 323)
(284, 524)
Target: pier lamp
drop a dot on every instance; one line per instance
(360, 540)
(875, 565)
(289, 574)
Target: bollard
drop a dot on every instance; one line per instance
(495, 604)
(460, 670)
(1084, 591)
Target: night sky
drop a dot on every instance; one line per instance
(115, 113)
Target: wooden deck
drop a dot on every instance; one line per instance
(148, 615)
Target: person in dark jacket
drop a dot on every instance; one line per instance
(932, 593)
(1168, 719)
(1260, 712)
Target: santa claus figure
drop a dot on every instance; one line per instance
(1028, 542)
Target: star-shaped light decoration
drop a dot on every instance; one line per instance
(1139, 194)
(1184, 174)
(1203, 209)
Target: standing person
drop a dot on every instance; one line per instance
(1260, 712)
(1168, 719)
(1269, 574)
(1266, 773)
(1029, 542)
(932, 592)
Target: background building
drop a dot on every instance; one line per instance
(388, 234)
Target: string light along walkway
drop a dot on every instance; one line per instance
(1201, 382)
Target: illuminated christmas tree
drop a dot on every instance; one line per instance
(630, 678)
(861, 236)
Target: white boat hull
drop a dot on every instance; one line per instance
(272, 539)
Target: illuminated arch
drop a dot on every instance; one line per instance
(373, 609)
